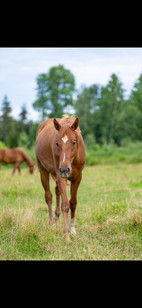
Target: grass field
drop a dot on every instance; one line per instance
(108, 217)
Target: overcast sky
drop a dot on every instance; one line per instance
(19, 68)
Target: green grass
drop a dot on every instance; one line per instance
(112, 154)
(108, 216)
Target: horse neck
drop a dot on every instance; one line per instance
(28, 160)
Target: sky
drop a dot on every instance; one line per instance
(19, 68)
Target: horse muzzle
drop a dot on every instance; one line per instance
(65, 172)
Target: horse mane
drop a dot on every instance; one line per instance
(26, 157)
(40, 127)
(68, 120)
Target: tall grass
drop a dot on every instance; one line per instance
(108, 217)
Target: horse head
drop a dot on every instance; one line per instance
(32, 168)
(66, 146)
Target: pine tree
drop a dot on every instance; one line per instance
(5, 119)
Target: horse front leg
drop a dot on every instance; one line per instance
(15, 167)
(44, 175)
(73, 202)
(19, 169)
(62, 183)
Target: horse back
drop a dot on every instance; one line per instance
(12, 155)
(44, 145)
(2, 151)
(45, 125)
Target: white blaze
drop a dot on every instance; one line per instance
(65, 139)
(64, 157)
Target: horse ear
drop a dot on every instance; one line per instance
(75, 124)
(56, 124)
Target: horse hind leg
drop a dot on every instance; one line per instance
(73, 203)
(19, 169)
(57, 211)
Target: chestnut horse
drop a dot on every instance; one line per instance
(60, 152)
(16, 156)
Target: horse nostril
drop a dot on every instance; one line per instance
(64, 170)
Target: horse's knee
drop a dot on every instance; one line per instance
(57, 213)
(73, 205)
(65, 207)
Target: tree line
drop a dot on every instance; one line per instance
(16, 132)
(105, 115)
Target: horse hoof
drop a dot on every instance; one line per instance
(68, 240)
(51, 222)
(73, 231)
(56, 217)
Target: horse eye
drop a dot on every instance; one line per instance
(73, 143)
(57, 144)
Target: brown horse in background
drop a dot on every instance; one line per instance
(60, 152)
(16, 156)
